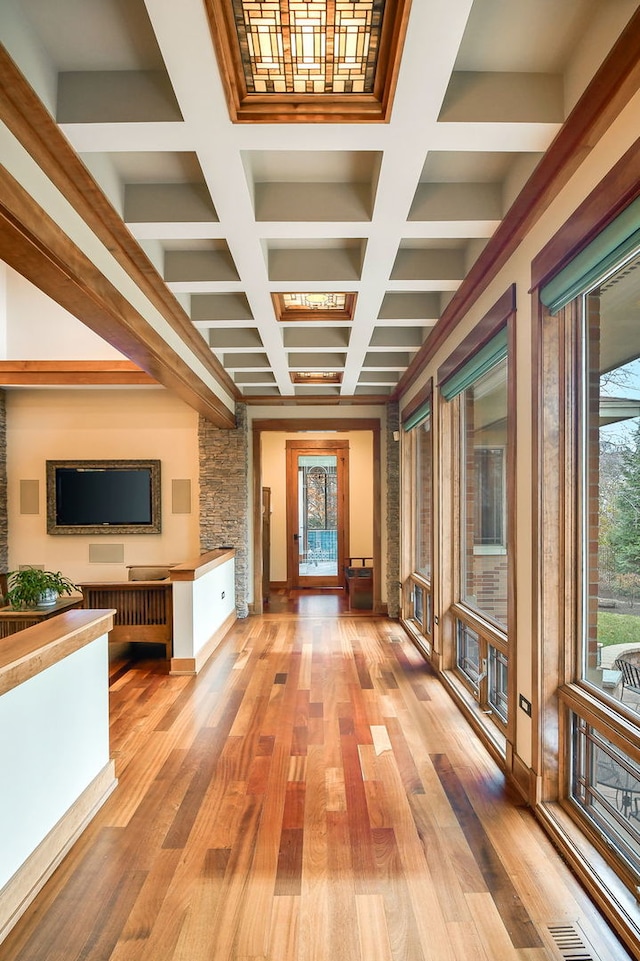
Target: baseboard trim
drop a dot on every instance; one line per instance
(30, 878)
(193, 665)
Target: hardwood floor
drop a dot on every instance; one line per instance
(313, 794)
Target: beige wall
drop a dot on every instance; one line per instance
(360, 492)
(99, 424)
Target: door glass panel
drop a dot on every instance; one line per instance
(318, 515)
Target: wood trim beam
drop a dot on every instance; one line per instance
(612, 87)
(424, 394)
(72, 373)
(30, 122)
(619, 188)
(495, 318)
(37, 248)
(316, 400)
(293, 425)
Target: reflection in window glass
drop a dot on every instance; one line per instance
(498, 673)
(468, 653)
(418, 604)
(605, 783)
(483, 521)
(612, 479)
(422, 487)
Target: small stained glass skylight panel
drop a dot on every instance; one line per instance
(333, 301)
(309, 46)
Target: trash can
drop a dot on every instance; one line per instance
(359, 585)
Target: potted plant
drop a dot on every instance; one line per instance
(32, 587)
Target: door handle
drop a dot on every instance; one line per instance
(296, 537)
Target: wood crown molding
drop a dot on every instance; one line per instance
(609, 91)
(72, 372)
(32, 125)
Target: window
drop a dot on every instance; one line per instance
(419, 606)
(594, 306)
(422, 489)
(605, 783)
(475, 384)
(611, 463)
(483, 521)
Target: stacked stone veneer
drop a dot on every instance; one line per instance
(4, 524)
(393, 511)
(224, 496)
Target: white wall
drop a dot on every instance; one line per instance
(77, 424)
(54, 741)
(274, 475)
(37, 328)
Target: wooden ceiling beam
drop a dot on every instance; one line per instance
(32, 125)
(37, 248)
(24, 373)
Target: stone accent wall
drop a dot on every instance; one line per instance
(393, 511)
(224, 496)
(4, 522)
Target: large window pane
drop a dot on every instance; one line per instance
(422, 488)
(483, 520)
(612, 482)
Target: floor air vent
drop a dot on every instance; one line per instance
(571, 943)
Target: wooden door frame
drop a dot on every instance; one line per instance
(317, 446)
(293, 426)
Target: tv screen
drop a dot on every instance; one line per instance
(98, 496)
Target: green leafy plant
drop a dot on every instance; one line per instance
(26, 586)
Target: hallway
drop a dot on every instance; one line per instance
(312, 795)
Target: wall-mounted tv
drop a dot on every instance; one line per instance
(103, 497)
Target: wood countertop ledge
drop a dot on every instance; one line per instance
(193, 569)
(28, 652)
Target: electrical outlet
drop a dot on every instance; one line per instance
(524, 704)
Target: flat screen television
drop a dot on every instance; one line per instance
(102, 496)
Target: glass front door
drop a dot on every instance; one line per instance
(316, 515)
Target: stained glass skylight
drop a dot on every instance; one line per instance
(301, 60)
(330, 305)
(309, 46)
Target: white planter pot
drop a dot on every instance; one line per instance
(47, 599)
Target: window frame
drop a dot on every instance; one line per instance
(420, 624)
(498, 732)
(559, 482)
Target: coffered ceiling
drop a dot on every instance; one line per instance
(235, 215)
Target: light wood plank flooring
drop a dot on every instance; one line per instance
(313, 795)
